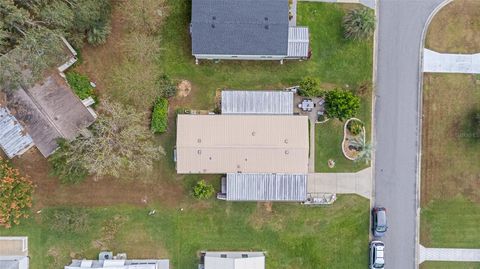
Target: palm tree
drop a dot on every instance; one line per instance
(359, 24)
(363, 147)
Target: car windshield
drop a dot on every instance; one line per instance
(378, 265)
(381, 228)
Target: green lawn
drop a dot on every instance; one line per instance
(334, 61)
(328, 141)
(450, 265)
(451, 223)
(294, 236)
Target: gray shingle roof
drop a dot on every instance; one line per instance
(240, 27)
(266, 187)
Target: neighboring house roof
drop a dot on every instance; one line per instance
(257, 102)
(234, 260)
(298, 42)
(242, 143)
(49, 110)
(14, 252)
(239, 27)
(266, 187)
(120, 264)
(14, 140)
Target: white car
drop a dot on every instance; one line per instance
(377, 252)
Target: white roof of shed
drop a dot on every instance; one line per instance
(298, 42)
(234, 260)
(120, 264)
(257, 102)
(14, 140)
(266, 187)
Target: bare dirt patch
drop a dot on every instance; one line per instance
(184, 88)
(104, 192)
(456, 28)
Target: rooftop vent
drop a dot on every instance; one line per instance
(266, 27)
(213, 25)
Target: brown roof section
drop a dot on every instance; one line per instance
(211, 144)
(48, 111)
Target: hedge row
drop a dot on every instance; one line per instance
(160, 116)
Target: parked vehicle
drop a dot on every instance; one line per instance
(379, 220)
(377, 251)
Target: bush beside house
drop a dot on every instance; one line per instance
(203, 190)
(341, 104)
(160, 116)
(80, 85)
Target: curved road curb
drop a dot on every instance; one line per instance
(420, 125)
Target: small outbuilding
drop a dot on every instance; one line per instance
(232, 260)
(257, 102)
(264, 187)
(14, 252)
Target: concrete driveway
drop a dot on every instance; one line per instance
(397, 130)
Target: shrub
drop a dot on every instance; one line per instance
(359, 24)
(160, 116)
(355, 127)
(310, 87)
(68, 220)
(67, 170)
(341, 104)
(80, 85)
(15, 195)
(98, 34)
(167, 86)
(203, 190)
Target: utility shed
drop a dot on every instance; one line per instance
(13, 138)
(257, 102)
(233, 260)
(220, 144)
(266, 187)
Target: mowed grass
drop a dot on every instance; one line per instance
(294, 236)
(334, 60)
(455, 28)
(451, 224)
(329, 137)
(450, 265)
(450, 153)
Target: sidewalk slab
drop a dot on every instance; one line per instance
(434, 62)
(449, 254)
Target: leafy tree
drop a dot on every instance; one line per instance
(39, 50)
(203, 190)
(118, 142)
(15, 195)
(341, 104)
(363, 147)
(68, 168)
(310, 87)
(359, 24)
(58, 14)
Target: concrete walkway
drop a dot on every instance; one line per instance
(342, 183)
(367, 3)
(434, 62)
(449, 254)
(311, 157)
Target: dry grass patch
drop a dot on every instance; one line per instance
(451, 143)
(456, 28)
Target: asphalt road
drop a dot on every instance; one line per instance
(401, 24)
